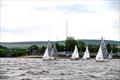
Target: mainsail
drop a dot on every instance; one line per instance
(46, 55)
(49, 48)
(75, 54)
(99, 55)
(54, 52)
(104, 49)
(102, 53)
(86, 54)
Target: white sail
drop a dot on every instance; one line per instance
(49, 45)
(55, 51)
(99, 55)
(52, 54)
(102, 53)
(75, 54)
(86, 54)
(104, 49)
(46, 55)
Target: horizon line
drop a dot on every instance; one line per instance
(53, 40)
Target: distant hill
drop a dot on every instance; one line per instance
(97, 42)
(41, 43)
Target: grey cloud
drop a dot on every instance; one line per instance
(113, 4)
(11, 30)
(80, 8)
(77, 8)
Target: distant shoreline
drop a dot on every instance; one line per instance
(44, 43)
(59, 57)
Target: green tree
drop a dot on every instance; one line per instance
(17, 52)
(108, 47)
(33, 49)
(3, 53)
(2, 47)
(93, 48)
(42, 49)
(81, 46)
(114, 48)
(70, 43)
(59, 47)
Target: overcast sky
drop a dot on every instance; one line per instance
(38, 20)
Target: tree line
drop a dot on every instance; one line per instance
(69, 45)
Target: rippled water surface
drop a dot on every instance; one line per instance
(62, 69)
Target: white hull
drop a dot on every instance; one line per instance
(52, 58)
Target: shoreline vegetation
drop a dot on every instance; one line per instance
(65, 48)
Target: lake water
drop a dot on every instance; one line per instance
(62, 69)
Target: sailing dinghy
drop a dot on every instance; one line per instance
(46, 55)
(52, 55)
(75, 55)
(102, 53)
(99, 56)
(86, 54)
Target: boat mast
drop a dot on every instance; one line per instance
(66, 33)
(66, 28)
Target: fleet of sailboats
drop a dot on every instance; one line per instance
(102, 54)
(51, 52)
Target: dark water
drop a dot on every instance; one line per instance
(62, 69)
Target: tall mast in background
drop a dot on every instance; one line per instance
(66, 33)
(66, 28)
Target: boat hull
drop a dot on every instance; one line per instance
(74, 59)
